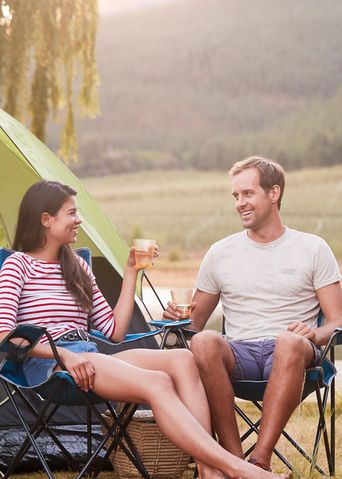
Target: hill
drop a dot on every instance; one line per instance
(200, 84)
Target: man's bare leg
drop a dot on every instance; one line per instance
(215, 361)
(293, 354)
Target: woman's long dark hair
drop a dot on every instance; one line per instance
(49, 196)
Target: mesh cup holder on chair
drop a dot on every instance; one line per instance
(161, 458)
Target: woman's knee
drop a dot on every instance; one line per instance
(183, 365)
(182, 359)
(161, 382)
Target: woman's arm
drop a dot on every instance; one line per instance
(78, 366)
(123, 309)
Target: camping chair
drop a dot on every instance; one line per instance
(60, 389)
(319, 379)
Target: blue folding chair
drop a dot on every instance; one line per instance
(319, 379)
(60, 389)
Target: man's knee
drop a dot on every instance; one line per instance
(292, 347)
(208, 346)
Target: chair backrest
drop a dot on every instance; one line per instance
(4, 253)
(83, 252)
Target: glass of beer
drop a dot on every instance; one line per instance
(182, 297)
(143, 253)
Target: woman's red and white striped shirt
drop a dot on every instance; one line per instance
(34, 291)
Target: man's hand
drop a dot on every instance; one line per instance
(174, 313)
(81, 369)
(303, 330)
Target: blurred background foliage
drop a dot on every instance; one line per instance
(43, 44)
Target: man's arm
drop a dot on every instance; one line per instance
(202, 307)
(205, 305)
(330, 300)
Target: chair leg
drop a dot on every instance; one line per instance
(322, 429)
(29, 439)
(254, 427)
(332, 417)
(45, 424)
(89, 435)
(127, 412)
(332, 428)
(180, 337)
(123, 420)
(116, 436)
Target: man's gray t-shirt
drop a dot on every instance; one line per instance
(264, 287)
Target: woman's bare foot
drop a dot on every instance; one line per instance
(246, 470)
(205, 472)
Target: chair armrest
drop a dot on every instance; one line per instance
(55, 352)
(161, 326)
(335, 340)
(338, 332)
(168, 323)
(16, 345)
(98, 336)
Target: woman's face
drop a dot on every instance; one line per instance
(63, 227)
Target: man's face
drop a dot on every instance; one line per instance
(252, 202)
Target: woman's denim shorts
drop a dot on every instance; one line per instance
(38, 370)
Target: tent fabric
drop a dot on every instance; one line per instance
(24, 160)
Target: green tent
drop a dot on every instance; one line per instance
(24, 160)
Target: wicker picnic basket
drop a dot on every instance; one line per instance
(162, 459)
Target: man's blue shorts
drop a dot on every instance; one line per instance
(253, 359)
(38, 370)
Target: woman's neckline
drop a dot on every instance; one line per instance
(40, 260)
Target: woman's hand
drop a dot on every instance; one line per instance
(80, 368)
(131, 257)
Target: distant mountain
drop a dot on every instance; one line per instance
(202, 83)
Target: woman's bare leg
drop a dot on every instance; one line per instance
(180, 365)
(118, 380)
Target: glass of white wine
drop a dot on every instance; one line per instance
(182, 297)
(143, 252)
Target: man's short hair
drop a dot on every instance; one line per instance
(271, 173)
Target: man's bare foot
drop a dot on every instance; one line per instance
(256, 462)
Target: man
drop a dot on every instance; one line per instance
(271, 280)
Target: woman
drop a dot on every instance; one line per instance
(46, 284)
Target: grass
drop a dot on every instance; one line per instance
(188, 210)
(302, 426)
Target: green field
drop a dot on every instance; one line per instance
(188, 210)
